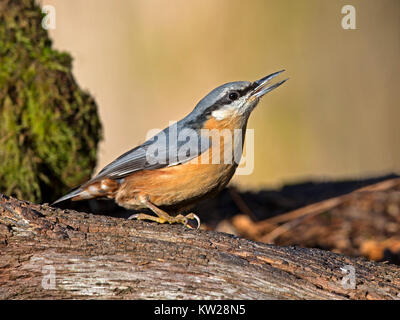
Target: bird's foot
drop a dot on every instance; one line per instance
(170, 219)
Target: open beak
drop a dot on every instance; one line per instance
(261, 85)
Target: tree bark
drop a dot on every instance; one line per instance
(48, 253)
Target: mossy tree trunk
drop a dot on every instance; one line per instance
(49, 127)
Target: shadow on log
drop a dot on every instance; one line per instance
(48, 253)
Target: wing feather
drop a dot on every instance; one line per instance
(157, 152)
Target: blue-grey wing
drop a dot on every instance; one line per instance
(158, 152)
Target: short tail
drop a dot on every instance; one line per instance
(92, 189)
(70, 195)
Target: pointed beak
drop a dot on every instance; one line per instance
(261, 86)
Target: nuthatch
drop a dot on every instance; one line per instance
(139, 180)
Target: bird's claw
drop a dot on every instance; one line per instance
(178, 219)
(191, 216)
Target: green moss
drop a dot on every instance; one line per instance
(49, 127)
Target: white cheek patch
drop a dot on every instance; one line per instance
(223, 113)
(230, 110)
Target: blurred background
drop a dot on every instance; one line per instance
(148, 62)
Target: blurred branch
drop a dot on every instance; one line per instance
(295, 217)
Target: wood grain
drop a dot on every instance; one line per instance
(95, 256)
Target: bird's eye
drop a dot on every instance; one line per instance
(233, 95)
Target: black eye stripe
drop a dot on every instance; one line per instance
(244, 91)
(241, 92)
(224, 100)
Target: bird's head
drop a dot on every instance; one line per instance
(233, 99)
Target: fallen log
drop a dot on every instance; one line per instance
(49, 253)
